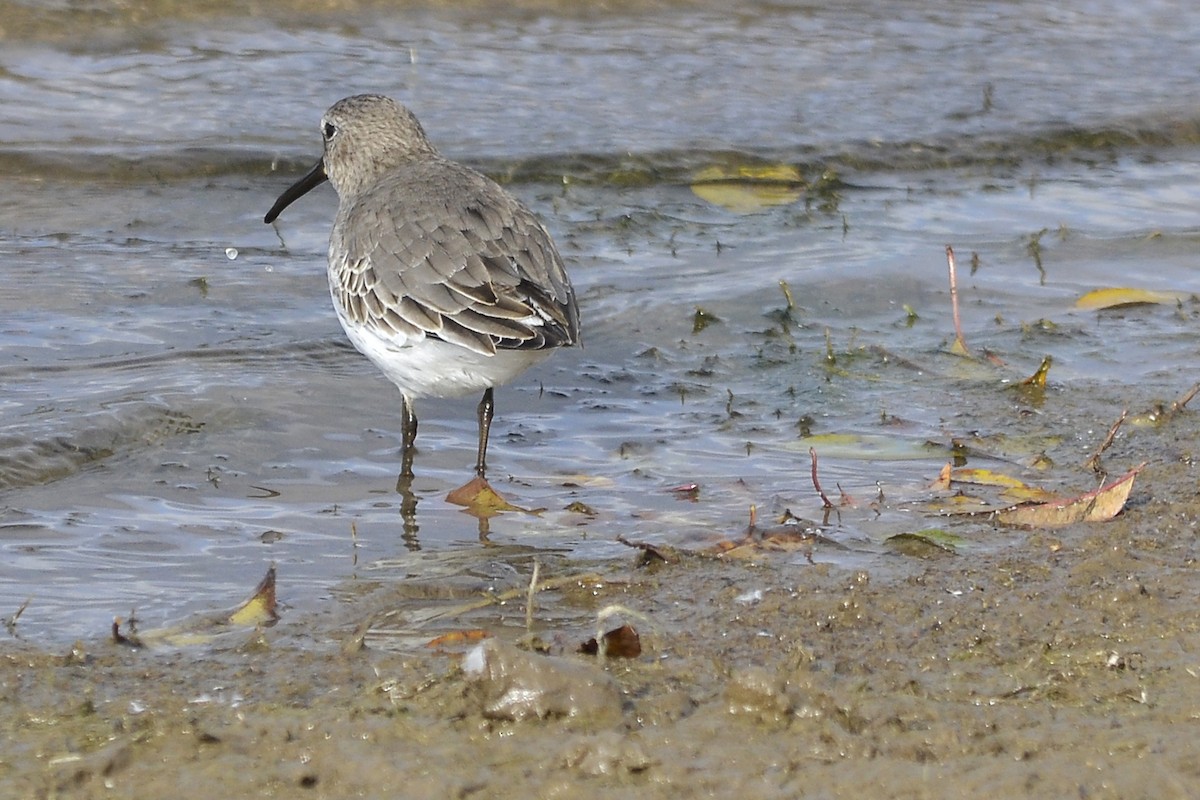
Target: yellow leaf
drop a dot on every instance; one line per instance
(959, 504)
(1038, 379)
(1116, 297)
(1028, 494)
(985, 477)
(259, 609)
(746, 188)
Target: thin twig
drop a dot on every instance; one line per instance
(1093, 463)
(1178, 405)
(11, 622)
(787, 294)
(816, 483)
(533, 580)
(959, 341)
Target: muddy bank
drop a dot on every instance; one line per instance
(1065, 666)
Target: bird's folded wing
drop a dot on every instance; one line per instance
(484, 275)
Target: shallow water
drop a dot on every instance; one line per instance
(179, 407)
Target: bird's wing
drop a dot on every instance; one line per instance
(440, 250)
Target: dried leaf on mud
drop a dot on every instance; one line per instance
(1015, 490)
(257, 610)
(622, 642)
(923, 543)
(791, 535)
(652, 553)
(1095, 506)
(780, 539)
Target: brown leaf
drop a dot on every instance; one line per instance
(622, 642)
(479, 498)
(943, 479)
(652, 552)
(686, 491)
(787, 538)
(1095, 506)
(129, 640)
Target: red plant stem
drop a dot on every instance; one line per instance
(816, 483)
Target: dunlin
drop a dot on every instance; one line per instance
(439, 276)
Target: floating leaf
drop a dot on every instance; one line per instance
(747, 188)
(593, 481)
(985, 477)
(1038, 379)
(479, 498)
(1118, 297)
(943, 479)
(1015, 490)
(702, 319)
(923, 543)
(686, 491)
(872, 446)
(1095, 506)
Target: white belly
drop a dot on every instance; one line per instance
(429, 367)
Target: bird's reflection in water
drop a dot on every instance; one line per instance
(408, 512)
(408, 509)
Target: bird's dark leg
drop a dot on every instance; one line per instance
(408, 500)
(484, 412)
(408, 431)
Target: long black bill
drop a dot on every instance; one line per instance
(315, 177)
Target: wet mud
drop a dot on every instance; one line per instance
(1063, 665)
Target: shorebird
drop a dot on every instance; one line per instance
(444, 280)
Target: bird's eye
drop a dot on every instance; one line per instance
(329, 130)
